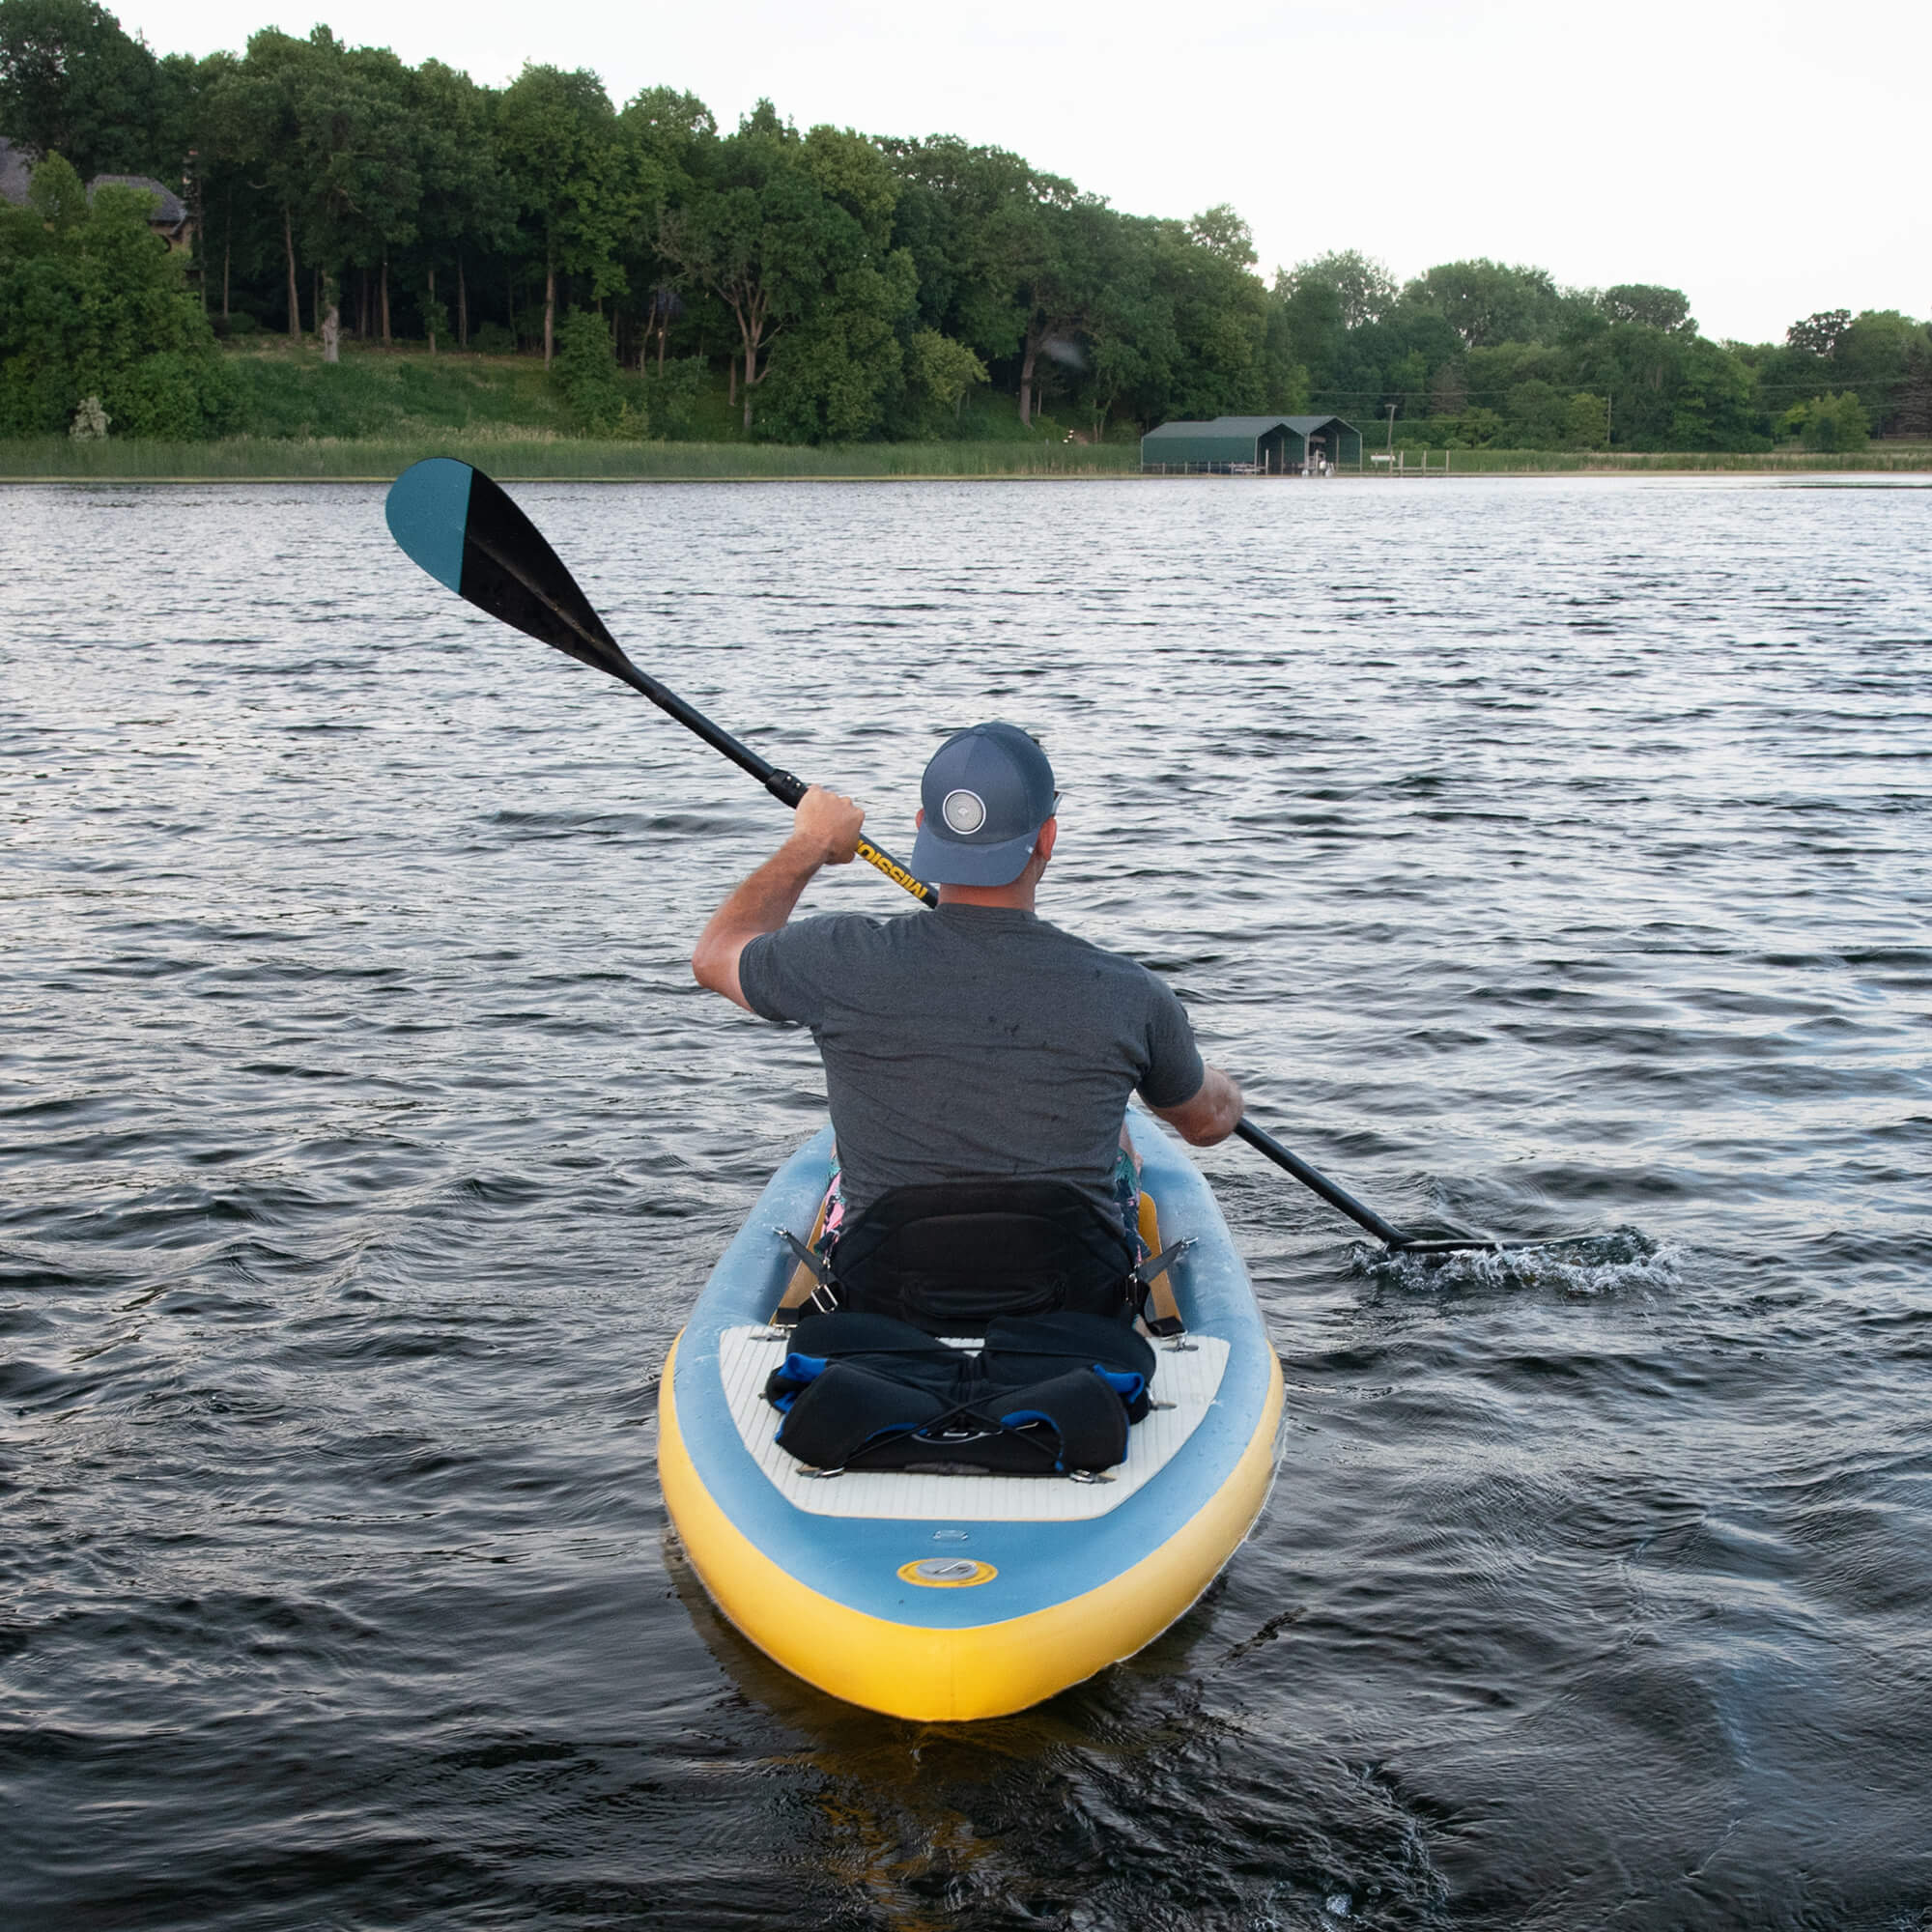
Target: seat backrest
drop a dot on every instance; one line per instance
(950, 1257)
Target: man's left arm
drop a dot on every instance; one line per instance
(1211, 1115)
(1201, 1102)
(824, 832)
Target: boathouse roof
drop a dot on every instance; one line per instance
(1265, 441)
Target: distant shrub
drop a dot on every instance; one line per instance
(939, 373)
(492, 338)
(90, 308)
(585, 371)
(672, 394)
(175, 396)
(1587, 422)
(242, 323)
(1535, 414)
(1830, 423)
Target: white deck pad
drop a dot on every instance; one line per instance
(1189, 1378)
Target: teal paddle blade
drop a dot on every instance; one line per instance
(428, 510)
(467, 534)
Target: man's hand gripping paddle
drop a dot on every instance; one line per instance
(468, 535)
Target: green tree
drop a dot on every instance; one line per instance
(851, 296)
(672, 389)
(1711, 408)
(1286, 381)
(1363, 288)
(586, 372)
(793, 236)
(1487, 303)
(357, 141)
(969, 217)
(1223, 233)
(1913, 414)
(91, 308)
(1647, 303)
(668, 138)
(1872, 357)
(1480, 428)
(939, 372)
(1829, 424)
(1818, 334)
(1220, 320)
(1132, 343)
(1054, 263)
(1586, 423)
(464, 205)
(556, 136)
(1537, 415)
(740, 236)
(72, 82)
(254, 118)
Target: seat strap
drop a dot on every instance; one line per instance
(1159, 1309)
(812, 1284)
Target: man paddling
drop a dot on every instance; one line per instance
(977, 1040)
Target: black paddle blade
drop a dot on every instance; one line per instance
(461, 528)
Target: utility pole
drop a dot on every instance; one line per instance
(1390, 443)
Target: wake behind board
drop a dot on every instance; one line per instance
(954, 1597)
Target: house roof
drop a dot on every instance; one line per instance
(14, 173)
(168, 214)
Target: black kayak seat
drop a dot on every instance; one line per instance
(952, 1256)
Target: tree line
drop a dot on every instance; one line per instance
(844, 286)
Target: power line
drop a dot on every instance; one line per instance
(1379, 396)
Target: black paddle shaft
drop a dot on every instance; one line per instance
(1386, 1232)
(510, 571)
(500, 543)
(1394, 1238)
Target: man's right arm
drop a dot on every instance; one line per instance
(825, 832)
(1211, 1115)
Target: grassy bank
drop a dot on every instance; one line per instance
(535, 458)
(258, 459)
(378, 411)
(286, 391)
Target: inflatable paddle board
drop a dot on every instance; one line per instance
(961, 1596)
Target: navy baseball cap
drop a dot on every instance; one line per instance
(987, 793)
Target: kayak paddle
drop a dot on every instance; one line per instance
(467, 534)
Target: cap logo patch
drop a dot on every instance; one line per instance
(964, 813)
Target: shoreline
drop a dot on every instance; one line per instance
(535, 460)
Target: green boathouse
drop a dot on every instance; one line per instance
(1251, 447)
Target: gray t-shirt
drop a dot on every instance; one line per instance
(973, 1041)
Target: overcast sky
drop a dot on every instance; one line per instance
(1770, 159)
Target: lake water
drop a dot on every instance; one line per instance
(1544, 856)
